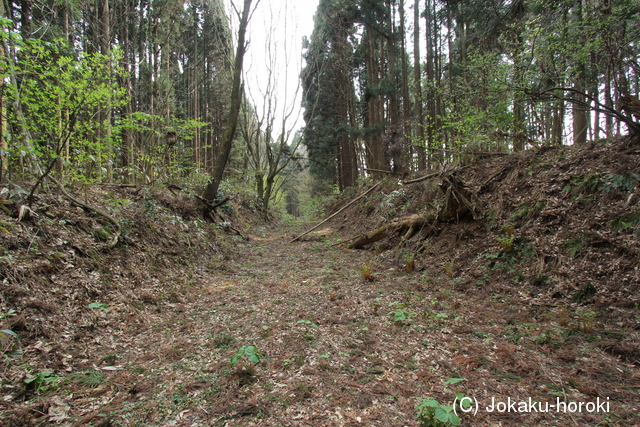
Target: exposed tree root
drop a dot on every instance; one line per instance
(459, 200)
(407, 225)
(209, 209)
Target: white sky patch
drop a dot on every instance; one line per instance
(275, 37)
(282, 24)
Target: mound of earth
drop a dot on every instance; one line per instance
(559, 224)
(63, 287)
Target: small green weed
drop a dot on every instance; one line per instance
(587, 184)
(491, 219)
(525, 212)
(621, 182)
(409, 262)
(441, 317)
(562, 315)
(149, 207)
(587, 321)
(630, 219)
(587, 291)
(546, 338)
(401, 315)
(308, 322)
(99, 305)
(367, 271)
(15, 352)
(574, 246)
(89, 379)
(43, 381)
(506, 242)
(509, 229)
(249, 352)
(118, 202)
(448, 267)
(432, 413)
(223, 340)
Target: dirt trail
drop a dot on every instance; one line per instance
(302, 305)
(336, 350)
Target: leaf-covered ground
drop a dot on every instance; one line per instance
(144, 334)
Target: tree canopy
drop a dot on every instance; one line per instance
(493, 76)
(141, 92)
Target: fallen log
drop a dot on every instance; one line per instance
(422, 178)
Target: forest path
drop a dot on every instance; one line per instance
(318, 325)
(333, 348)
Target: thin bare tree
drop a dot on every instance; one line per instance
(211, 192)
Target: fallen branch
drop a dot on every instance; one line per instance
(116, 224)
(345, 207)
(381, 171)
(475, 153)
(422, 178)
(433, 175)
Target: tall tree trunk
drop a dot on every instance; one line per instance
(3, 116)
(126, 81)
(105, 48)
(196, 90)
(417, 82)
(438, 55)
(406, 107)
(580, 118)
(580, 115)
(25, 19)
(608, 101)
(394, 131)
(211, 192)
(518, 98)
(557, 123)
(375, 149)
(347, 166)
(3, 127)
(431, 142)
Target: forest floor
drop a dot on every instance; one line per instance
(145, 334)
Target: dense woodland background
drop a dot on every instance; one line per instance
(142, 91)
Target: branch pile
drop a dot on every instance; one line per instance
(460, 202)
